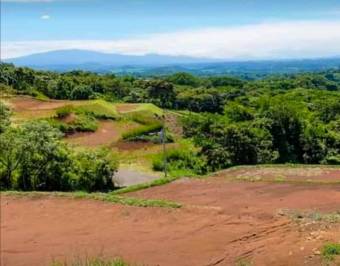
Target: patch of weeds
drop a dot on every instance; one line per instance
(280, 179)
(107, 197)
(330, 251)
(139, 132)
(64, 111)
(181, 162)
(92, 262)
(99, 109)
(249, 178)
(314, 216)
(154, 183)
(243, 262)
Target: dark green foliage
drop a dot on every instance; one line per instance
(278, 119)
(5, 114)
(202, 100)
(95, 171)
(330, 250)
(138, 133)
(33, 157)
(80, 123)
(183, 78)
(81, 93)
(64, 111)
(178, 160)
(160, 92)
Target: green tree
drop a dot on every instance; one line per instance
(11, 155)
(5, 114)
(95, 170)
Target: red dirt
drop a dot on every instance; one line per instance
(221, 221)
(294, 174)
(69, 118)
(21, 104)
(107, 132)
(134, 145)
(126, 107)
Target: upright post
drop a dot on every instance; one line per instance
(164, 148)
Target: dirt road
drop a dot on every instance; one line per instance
(222, 222)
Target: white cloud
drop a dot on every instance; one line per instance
(260, 41)
(45, 17)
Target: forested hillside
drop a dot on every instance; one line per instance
(280, 119)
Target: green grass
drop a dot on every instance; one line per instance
(135, 133)
(92, 262)
(330, 251)
(100, 109)
(147, 107)
(107, 197)
(154, 183)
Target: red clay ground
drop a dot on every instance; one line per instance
(126, 107)
(221, 222)
(107, 132)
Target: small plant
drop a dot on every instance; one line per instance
(64, 111)
(137, 133)
(92, 262)
(98, 109)
(182, 162)
(330, 250)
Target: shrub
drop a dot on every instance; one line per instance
(33, 157)
(95, 171)
(92, 262)
(330, 250)
(81, 123)
(98, 109)
(181, 160)
(64, 111)
(5, 114)
(137, 133)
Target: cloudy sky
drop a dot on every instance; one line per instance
(228, 29)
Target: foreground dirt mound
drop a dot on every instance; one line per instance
(223, 222)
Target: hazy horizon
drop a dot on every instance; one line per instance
(242, 30)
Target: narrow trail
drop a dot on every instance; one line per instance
(128, 177)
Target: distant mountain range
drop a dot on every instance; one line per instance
(153, 64)
(74, 58)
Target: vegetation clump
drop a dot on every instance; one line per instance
(33, 157)
(232, 121)
(330, 251)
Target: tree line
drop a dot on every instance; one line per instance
(279, 119)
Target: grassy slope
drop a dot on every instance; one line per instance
(107, 197)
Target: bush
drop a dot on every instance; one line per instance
(331, 250)
(81, 123)
(64, 111)
(137, 133)
(33, 157)
(95, 171)
(98, 109)
(5, 114)
(181, 160)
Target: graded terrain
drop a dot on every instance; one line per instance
(280, 217)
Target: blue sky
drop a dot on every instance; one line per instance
(29, 26)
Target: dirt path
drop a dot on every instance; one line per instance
(221, 222)
(128, 177)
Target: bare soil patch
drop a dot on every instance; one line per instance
(134, 145)
(317, 174)
(69, 118)
(126, 107)
(21, 104)
(222, 222)
(107, 133)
